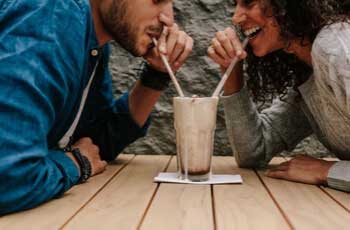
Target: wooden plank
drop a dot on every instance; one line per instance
(342, 197)
(123, 202)
(244, 206)
(54, 214)
(306, 206)
(179, 206)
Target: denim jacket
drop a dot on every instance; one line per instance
(45, 63)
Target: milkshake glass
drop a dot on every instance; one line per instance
(195, 123)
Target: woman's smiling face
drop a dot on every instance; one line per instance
(256, 21)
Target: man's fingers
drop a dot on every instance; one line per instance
(100, 167)
(172, 38)
(162, 46)
(179, 47)
(154, 53)
(186, 52)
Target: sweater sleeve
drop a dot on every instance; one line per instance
(331, 58)
(257, 137)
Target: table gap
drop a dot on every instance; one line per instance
(325, 191)
(213, 206)
(335, 199)
(284, 215)
(97, 192)
(153, 196)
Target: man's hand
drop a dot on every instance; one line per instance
(304, 169)
(173, 43)
(91, 151)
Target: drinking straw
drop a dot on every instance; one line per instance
(170, 71)
(228, 72)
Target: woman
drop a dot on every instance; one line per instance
(300, 51)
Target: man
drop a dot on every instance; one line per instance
(57, 109)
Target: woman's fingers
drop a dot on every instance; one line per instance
(216, 58)
(226, 46)
(236, 43)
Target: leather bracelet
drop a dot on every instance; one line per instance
(154, 79)
(84, 163)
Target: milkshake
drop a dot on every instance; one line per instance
(195, 123)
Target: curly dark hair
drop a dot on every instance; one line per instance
(273, 74)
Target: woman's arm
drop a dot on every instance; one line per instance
(257, 137)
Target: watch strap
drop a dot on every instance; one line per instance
(84, 163)
(153, 78)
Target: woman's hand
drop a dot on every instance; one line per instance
(304, 169)
(225, 46)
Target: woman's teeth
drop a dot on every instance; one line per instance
(252, 32)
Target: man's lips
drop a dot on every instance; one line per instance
(154, 35)
(151, 46)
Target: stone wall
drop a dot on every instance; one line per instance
(201, 19)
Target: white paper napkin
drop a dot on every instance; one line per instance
(215, 179)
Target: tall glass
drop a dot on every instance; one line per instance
(195, 123)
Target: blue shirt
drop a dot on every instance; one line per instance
(45, 63)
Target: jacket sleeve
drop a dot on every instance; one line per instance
(120, 108)
(31, 85)
(106, 120)
(30, 173)
(257, 137)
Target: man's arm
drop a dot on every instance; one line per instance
(141, 101)
(33, 88)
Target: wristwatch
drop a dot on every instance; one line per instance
(84, 163)
(154, 79)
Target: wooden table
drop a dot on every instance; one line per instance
(125, 197)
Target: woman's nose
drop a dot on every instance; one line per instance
(239, 16)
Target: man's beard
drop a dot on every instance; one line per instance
(115, 22)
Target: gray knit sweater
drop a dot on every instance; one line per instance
(323, 109)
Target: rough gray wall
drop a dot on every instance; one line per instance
(201, 19)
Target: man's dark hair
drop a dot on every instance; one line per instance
(271, 75)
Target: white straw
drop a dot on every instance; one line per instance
(228, 72)
(170, 71)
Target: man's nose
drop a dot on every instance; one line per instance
(167, 14)
(239, 16)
